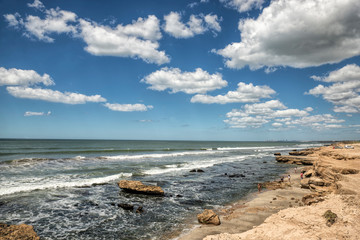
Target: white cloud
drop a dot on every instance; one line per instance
(196, 25)
(199, 81)
(55, 21)
(53, 96)
(125, 41)
(297, 34)
(30, 114)
(280, 117)
(37, 4)
(136, 40)
(244, 93)
(243, 5)
(344, 92)
(128, 107)
(309, 109)
(15, 76)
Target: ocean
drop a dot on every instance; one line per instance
(67, 189)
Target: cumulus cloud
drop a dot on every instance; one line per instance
(55, 21)
(128, 107)
(344, 92)
(30, 114)
(196, 25)
(298, 34)
(243, 5)
(136, 40)
(15, 76)
(199, 81)
(52, 95)
(125, 41)
(37, 4)
(244, 93)
(279, 116)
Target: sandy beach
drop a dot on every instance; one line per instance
(296, 210)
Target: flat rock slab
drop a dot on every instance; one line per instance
(139, 187)
(22, 231)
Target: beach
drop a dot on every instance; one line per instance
(298, 211)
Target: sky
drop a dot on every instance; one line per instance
(237, 70)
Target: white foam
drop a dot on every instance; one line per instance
(53, 184)
(195, 164)
(158, 155)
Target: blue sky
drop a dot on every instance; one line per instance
(180, 70)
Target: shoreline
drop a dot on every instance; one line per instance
(251, 210)
(259, 216)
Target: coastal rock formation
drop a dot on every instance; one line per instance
(275, 185)
(22, 231)
(300, 160)
(277, 154)
(209, 217)
(139, 187)
(303, 152)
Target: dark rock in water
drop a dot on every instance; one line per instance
(193, 170)
(277, 154)
(22, 231)
(179, 196)
(209, 217)
(264, 161)
(126, 206)
(200, 170)
(196, 170)
(139, 187)
(236, 175)
(140, 210)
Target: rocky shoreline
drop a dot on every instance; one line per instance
(329, 206)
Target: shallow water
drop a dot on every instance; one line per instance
(67, 189)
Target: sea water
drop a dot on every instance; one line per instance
(67, 189)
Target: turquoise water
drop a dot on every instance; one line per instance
(67, 189)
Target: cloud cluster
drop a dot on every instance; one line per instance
(196, 25)
(23, 78)
(244, 93)
(128, 107)
(30, 114)
(297, 34)
(199, 81)
(344, 93)
(136, 40)
(279, 116)
(55, 21)
(243, 5)
(15, 76)
(139, 40)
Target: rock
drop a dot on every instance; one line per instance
(196, 170)
(330, 217)
(236, 175)
(126, 206)
(304, 183)
(302, 152)
(300, 160)
(140, 210)
(312, 198)
(309, 173)
(208, 217)
(273, 185)
(200, 170)
(277, 154)
(19, 232)
(139, 187)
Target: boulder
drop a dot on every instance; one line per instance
(304, 183)
(309, 173)
(274, 185)
(277, 154)
(139, 187)
(22, 231)
(208, 217)
(312, 198)
(300, 160)
(126, 206)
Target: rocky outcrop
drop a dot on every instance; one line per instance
(303, 152)
(209, 217)
(300, 160)
(275, 185)
(277, 154)
(17, 232)
(312, 198)
(139, 187)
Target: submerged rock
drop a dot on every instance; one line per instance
(208, 217)
(22, 231)
(126, 206)
(139, 187)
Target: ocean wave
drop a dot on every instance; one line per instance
(199, 164)
(52, 184)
